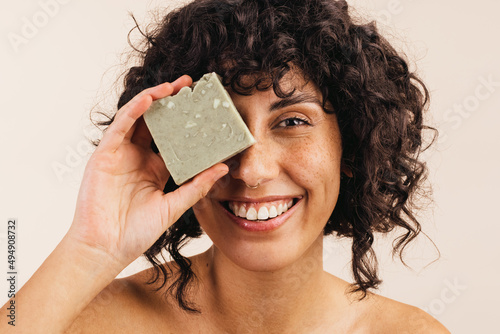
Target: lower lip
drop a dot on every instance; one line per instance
(261, 226)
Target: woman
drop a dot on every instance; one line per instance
(338, 121)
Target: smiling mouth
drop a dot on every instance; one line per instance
(259, 211)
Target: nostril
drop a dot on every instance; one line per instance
(232, 164)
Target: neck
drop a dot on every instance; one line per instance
(283, 299)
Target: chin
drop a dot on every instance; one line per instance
(260, 250)
(261, 258)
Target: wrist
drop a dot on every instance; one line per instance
(91, 255)
(64, 285)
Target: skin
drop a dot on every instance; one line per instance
(255, 282)
(297, 155)
(248, 282)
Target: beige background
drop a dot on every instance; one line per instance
(49, 83)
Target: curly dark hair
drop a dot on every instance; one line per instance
(378, 101)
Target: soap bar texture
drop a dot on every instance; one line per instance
(195, 129)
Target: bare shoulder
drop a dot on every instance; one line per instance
(126, 305)
(390, 316)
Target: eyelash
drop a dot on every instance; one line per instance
(294, 119)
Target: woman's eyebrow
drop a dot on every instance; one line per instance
(295, 99)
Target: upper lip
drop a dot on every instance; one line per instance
(258, 200)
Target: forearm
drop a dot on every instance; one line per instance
(60, 289)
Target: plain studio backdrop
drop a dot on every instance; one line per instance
(60, 57)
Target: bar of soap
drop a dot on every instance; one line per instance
(195, 129)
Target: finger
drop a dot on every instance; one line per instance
(187, 195)
(156, 92)
(142, 136)
(123, 126)
(145, 137)
(129, 113)
(182, 81)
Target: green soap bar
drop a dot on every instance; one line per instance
(195, 129)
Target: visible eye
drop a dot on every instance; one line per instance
(292, 122)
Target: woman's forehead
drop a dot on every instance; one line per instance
(293, 81)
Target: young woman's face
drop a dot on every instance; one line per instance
(295, 163)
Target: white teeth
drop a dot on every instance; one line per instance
(252, 214)
(242, 213)
(263, 213)
(272, 212)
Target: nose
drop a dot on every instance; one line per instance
(257, 165)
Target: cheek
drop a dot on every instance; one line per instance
(204, 215)
(315, 162)
(204, 212)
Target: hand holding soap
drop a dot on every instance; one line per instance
(195, 129)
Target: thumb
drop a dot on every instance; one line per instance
(179, 201)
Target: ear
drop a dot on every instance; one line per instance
(346, 170)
